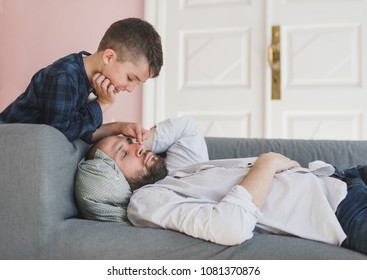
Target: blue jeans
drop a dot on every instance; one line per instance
(352, 211)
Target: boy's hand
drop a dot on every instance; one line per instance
(134, 130)
(129, 129)
(104, 90)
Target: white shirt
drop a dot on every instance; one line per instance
(202, 198)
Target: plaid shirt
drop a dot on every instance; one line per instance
(58, 96)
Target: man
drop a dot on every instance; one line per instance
(222, 201)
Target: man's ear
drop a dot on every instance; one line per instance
(108, 56)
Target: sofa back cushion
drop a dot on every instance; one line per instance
(340, 153)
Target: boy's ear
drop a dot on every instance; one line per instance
(108, 54)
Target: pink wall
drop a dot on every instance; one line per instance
(35, 33)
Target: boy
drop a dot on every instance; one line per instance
(129, 53)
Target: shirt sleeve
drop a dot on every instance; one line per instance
(229, 222)
(61, 109)
(182, 141)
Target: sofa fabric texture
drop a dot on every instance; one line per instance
(39, 219)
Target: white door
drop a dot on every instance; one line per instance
(216, 69)
(213, 65)
(323, 70)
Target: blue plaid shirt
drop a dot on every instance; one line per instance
(58, 96)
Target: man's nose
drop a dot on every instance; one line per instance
(139, 149)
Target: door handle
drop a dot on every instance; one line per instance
(274, 62)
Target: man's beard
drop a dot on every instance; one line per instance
(157, 171)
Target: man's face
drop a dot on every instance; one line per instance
(125, 76)
(132, 158)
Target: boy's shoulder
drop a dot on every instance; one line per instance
(74, 60)
(71, 64)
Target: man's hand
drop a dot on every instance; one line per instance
(258, 181)
(105, 91)
(275, 162)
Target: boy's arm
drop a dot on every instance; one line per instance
(62, 108)
(105, 91)
(129, 129)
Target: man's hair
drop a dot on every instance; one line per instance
(132, 38)
(92, 151)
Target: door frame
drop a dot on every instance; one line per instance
(153, 104)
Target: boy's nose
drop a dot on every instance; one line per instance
(130, 88)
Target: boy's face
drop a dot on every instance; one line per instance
(125, 76)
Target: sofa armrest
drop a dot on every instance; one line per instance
(38, 166)
(342, 154)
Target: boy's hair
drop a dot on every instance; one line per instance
(131, 38)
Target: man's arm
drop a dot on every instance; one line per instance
(229, 221)
(182, 141)
(258, 180)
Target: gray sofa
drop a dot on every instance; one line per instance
(39, 220)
